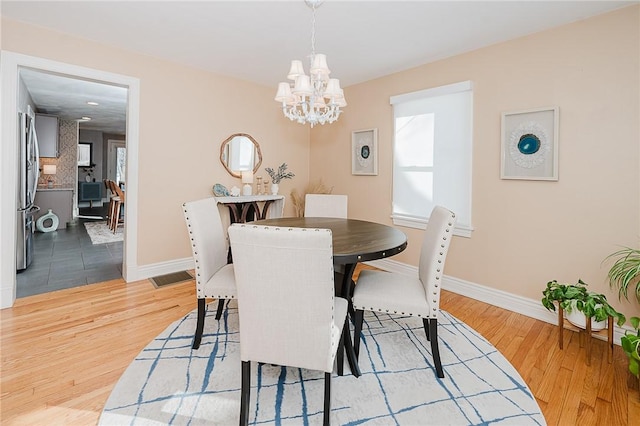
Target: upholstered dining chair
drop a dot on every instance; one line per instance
(399, 294)
(214, 276)
(325, 205)
(287, 310)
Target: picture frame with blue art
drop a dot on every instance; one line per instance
(529, 145)
(364, 152)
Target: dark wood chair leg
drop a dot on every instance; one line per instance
(348, 347)
(202, 310)
(327, 399)
(220, 308)
(356, 333)
(431, 329)
(245, 391)
(340, 353)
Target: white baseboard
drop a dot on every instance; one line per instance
(511, 302)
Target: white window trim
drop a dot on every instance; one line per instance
(463, 86)
(421, 223)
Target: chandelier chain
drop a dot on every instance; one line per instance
(313, 31)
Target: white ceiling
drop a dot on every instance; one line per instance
(256, 40)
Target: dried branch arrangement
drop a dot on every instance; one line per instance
(313, 188)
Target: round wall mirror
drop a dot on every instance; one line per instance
(240, 152)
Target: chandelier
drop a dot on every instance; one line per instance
(313, 98)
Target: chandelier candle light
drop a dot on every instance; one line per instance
(314, 98)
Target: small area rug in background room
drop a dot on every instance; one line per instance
(170, 384)
(100, 233)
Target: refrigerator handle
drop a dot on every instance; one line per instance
(33, 142)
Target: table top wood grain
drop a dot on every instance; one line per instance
(353, 240)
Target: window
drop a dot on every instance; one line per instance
(432, 155)
(121, 163)
(85, 154)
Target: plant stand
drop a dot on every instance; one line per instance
(589, 334)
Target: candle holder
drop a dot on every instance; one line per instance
(259, 189)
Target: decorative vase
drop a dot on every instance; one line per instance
(274, 189)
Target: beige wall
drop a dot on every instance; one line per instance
(185, 114)
(526, 232)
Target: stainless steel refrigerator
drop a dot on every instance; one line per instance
(28, 174)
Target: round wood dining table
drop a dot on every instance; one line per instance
(353, 241)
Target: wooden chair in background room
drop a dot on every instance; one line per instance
(109, 194)
(214, 276)
(325, 205)
(287, 310)
(119, 201)
(399, 294)
(112, 203)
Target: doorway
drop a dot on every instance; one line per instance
(12, 63)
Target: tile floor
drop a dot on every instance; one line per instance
(66, 258)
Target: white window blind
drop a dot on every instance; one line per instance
(432, 155)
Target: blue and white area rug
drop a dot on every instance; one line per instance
(170, 384)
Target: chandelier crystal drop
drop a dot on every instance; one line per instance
(313, 98)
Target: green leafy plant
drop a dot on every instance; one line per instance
(576, 296)
(282, 173)
(630, 343)
(625, 271)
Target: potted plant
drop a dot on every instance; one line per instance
(630, 343)
(580, 304)
(625, 271)
(276, 177)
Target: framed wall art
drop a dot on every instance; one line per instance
(364, 152)
(529, 148)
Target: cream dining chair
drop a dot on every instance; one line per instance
(325, 205)
(214, 276)
(287, 310)
(399, 294)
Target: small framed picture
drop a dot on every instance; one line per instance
(364, 152)
(529, 148)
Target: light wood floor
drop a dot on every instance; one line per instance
(63, 352)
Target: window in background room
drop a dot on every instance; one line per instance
(432, 155)
(121, 163)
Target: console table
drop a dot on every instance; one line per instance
(247, 208)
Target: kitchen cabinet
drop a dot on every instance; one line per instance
(47, 134)
(59, 200)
